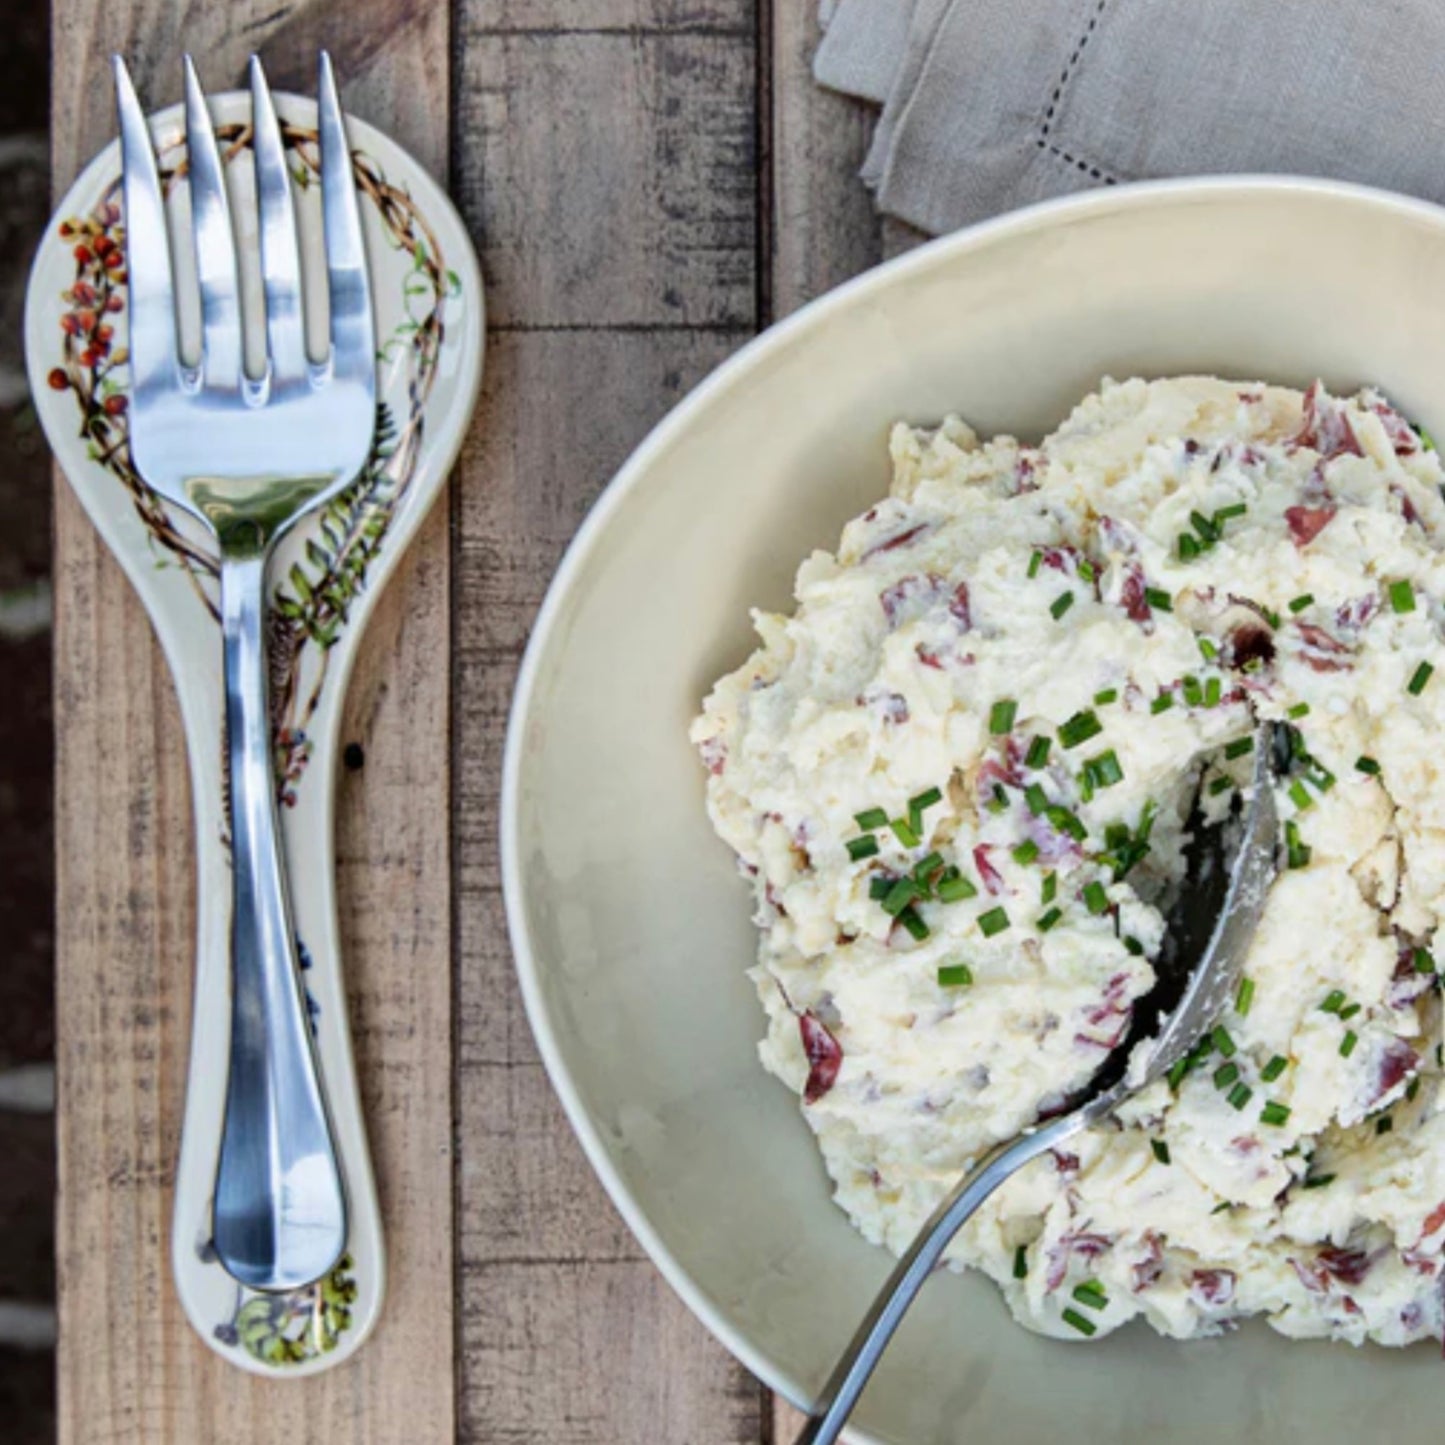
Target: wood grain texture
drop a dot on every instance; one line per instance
(130, 1368)
(610, 168)
(822, 228)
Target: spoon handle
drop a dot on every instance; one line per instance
(859, 1360)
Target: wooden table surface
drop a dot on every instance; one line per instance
(649, 183)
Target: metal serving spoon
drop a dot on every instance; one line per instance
(1214, 923)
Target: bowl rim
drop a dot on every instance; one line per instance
(1040, 215)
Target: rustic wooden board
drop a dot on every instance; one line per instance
(609, 168)
(130, 1370)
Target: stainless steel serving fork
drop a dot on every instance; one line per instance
(248, 456)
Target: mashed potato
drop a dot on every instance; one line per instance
(958, 776)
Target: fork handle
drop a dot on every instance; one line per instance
(866, 1347)
(280, 1210)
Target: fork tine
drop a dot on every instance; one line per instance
(353, 342)
(215, 243)
(153, 349)
(280, 250)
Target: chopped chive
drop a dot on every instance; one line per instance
(1220, 785)
(954, 975)
(1050, 889)
(904, 832)
(1334, 1001)
(1235, 509)
(1225, 1075)
(1274, 1068)
(1026, 851)
(1213, 691)
(1402, 595)
(1299, 710)
(1368, 766)
(992, 922)
(1038, 753)
(1104, 698)
(1245, 997)
(1347, 1044)
(911, 920)
(1104, 770)
(1421, 676)
(953, 887)
(1132, 945)
(1061, 605)
(1425, 437)
(1319, 1181)
(1096, 899)
(1156, 597)
(1207, 650)
(925, 869)
(1080, 728)
(1240, 1095)
(1086, 787)
(919, 805)
(1413, 1087)
(1034, 563)
(1300, 603)
(1067, 822)
(1161, 1150)
(1208, 533)
(1188, 547)
(1001, 716)
(1049, 919)
(1091, 1293)
(1000, 799)
(1087, 570)
(1274, 1113)
(1299, 795)
(1424, 960)
(1074, 1318)
(1350, 1010)
(1299, 853)
(1238, 748)
(861, 848)
(1162, 703)
(899, 896)
(871, 818)
(1021, 1262)
(1177, 1071)
(1192, 693)
(879, 886)
(1384, 1124)
(1222, 1206)
(1222, 1041)
(1037, 799)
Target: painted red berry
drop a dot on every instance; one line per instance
(89, 356)
(85, 320)
(69, 325)
(114, 302)
(83, 293)
(110, 212)
(104, 332)
(58, 380)
(82, 254)
(104, 245)
(113, 258)
(66, 230)
(114, 405)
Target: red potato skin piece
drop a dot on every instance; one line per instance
(824, 1054)
(1306, 523)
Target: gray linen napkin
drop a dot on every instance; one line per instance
(991, 104)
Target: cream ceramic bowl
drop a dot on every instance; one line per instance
(630, 923)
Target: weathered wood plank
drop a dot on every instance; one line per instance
(822, 228)
(612, 176)
(611, 171)
(130, 1369)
